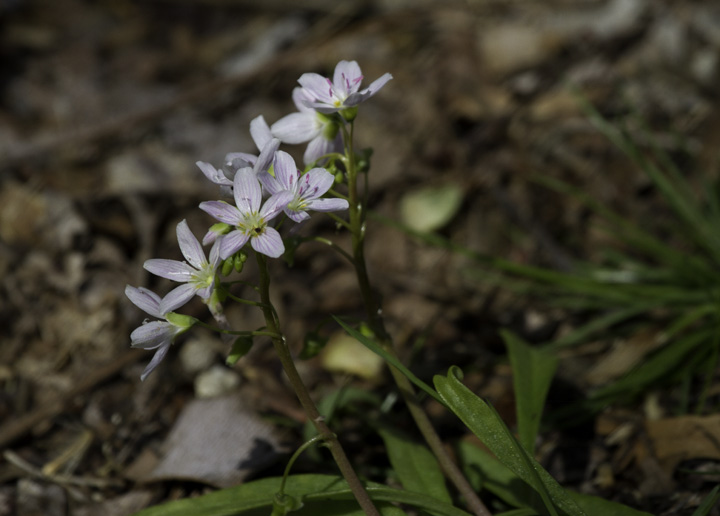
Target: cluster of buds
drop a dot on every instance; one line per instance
(265, 187)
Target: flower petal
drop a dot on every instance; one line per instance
(153, 334)
(297, 215)
(300, 97)
(248, 194)
(347, 78)
(222, 211)
(271, 184)
(232, 243)
(177, 297)
(249, 159)
(285, 170)
(297, 127)
(361, 96)
(156, 359)
(266, 156)
(328, 205)
(170, 269)
(213, 174)
(260, 132)
(146, 300)
(315, 183)
(189, 245)
(317, 87)
(319, 147)
(275, 204)
(269, 243)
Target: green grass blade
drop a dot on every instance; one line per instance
(708, 502)
(315, 491)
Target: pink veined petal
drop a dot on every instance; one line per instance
(156, 359)
(177, 297)
(285, 170)
(153, 334)
(248, 194)
(319, 147)
(269, 243)
(215, 254)
(297, 215)
(213, 174)
(210, 237)
(146, 300)
(361, 96)
(170, 269)
(315, 183)
(300, 97)
(260, 132)
(328, 205)
(297, 127)
(221, 211)
(316, 87)
(232, 243)
(189, 245)
(266, 156)
(346, 78)
(249, 159)
(275, 204)
(271, 184)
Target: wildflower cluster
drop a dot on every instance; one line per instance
(266, 189)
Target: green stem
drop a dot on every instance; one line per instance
(292, 460)
(303, 395)
(375, 321)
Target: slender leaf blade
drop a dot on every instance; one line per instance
(487, 425)
(533, 370)
(415, 465)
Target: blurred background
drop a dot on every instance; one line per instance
(105, 106)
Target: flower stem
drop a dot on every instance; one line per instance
(303, 395)
(357, 208)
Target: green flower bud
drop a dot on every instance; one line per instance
(227, 267)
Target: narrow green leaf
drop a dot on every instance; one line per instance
(319, 494)
(487, 425)
(708, 502)
(376, 348)
(533, 370)
(600, 507)
(656, 367)
(485, 472)
(416, 467)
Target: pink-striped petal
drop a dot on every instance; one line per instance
(248, 194)
(285, 170)
(222, 211)
(156, 359)
(177, 297)
(189, 245)
(146, 300)
(269, 243)
(232, 243)
(297, 127)
(170, 269)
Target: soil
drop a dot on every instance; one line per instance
(105, 107)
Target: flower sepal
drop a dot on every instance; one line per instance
(349, 114)
(181, 321)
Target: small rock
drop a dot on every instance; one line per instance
(216, 381)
